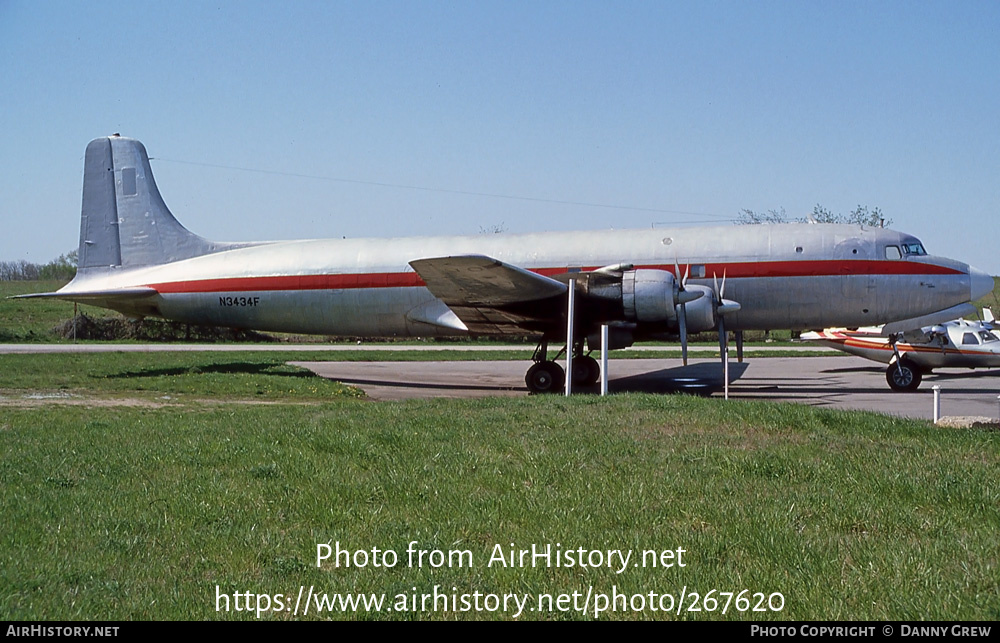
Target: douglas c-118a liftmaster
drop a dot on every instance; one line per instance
(135, 257)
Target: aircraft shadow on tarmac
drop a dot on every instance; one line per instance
(354, 381)
(702, 378)
(696, 379)
(249, 368)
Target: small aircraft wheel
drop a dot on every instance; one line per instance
(545, 377)
(902, 377)
(586, 370)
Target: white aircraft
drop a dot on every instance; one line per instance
(135, 257)
(911, 354)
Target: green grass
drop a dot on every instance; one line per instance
(260, 376)
(32, 320)
(126, 512)
(991, 300)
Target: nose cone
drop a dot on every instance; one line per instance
(981, 284)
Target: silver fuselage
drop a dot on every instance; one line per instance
(784, 276)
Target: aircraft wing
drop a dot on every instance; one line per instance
(490, 296)
(955, 312)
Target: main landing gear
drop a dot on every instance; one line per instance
(547, 376)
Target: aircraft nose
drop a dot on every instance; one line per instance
(981, 284)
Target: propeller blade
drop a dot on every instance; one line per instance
(682, 327)
(683, 297)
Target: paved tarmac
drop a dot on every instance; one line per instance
(832, 382)
(839, 381)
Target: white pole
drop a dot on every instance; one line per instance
(569, 336)
(725, 370)
(937, 403)
(604, 360)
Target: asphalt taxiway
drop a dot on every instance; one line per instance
(838, 381)
(832, 382)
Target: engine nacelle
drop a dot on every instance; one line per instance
(701, 312)
(649, 295)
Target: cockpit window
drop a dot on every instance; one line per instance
(969, 339)
(914, 248)
(892, 252)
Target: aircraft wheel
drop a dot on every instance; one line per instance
(586, 370)
(545, 377)
(902, 377)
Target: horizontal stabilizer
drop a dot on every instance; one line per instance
(132, 302)
(89, 296)
(940, 317)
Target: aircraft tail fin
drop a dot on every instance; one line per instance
(124, 221)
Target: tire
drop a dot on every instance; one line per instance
(903, 377)
(545, 377)
(586, 371)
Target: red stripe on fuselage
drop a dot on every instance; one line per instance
(833, 268)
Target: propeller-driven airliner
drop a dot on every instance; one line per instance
(136, 258)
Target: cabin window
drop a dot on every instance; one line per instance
(698, 271)
(128, 181)
(987, 336)
(892, 252)
(970, 339)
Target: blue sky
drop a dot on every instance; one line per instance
(674, 112)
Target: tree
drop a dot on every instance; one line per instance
(771, 216)
(498, 228)
(861, 215)
(61, 269)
